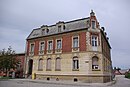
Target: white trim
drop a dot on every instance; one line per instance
(56, 43)
(48, 44)
(40, 45)
(94, 48)
(75, 49)
(30, 47)
(72, 40)
(49, 51)
(31, 53)
(95, 23)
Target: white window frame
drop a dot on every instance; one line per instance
(48, 45)
(30, 50)
(95, 67)
(73, 41)
(57, 43)
(59, 28)
(93, 27)
(40, 46)
(94, 40)
(75, 63)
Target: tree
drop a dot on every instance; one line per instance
(8, 60)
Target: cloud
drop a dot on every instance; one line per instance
(19, 17)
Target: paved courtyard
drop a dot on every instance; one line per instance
(120, 82)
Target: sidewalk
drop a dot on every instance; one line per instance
(64, 82)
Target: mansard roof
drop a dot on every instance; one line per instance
(65, 27)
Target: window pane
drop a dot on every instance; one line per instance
(95, 63)
(50, 45)
(42, 46)
(75, 63)
(94, 41)
(75, 42)
(59, 28)
(32, 48)
(58, 44)
(93, 24)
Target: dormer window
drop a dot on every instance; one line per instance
(47, 30)
(43, 31)
(93, 24)
(59, 28)
(64, 27)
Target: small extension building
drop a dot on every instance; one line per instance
(76, 50)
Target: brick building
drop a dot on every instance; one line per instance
(76, 50)
(20, 69)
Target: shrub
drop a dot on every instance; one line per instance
(127, 75)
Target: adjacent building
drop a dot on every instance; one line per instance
(76, 50)
(20, 68)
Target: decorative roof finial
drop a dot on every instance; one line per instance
(92, 13)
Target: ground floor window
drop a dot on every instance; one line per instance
(95, 64)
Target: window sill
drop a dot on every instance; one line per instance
(48, 69)
(75, 69)
(57, 69)
(96, 70)
(40, 69)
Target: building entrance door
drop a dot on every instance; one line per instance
(30, 66)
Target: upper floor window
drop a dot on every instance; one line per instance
(75, 42)
(40, 64)
(95, 64)
(32, 48)
(59, 44)
(93, 24)
(41, 48)
(75, 63)
(50, 45)
(94, 41)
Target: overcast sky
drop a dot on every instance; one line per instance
(19, 17)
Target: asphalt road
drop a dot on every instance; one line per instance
(120, 82)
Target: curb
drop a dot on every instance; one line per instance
(64, 83)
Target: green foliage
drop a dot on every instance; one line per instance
(5, 77)
(8, 60)
(127, 75)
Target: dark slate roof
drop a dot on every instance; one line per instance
(53, 29)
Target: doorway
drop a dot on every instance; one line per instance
(30, 66)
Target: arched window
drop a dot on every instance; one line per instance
(40, 64)
(75, 63)
(49, 64)
(95, 64)
(58, 63)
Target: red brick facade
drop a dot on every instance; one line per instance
(82, 40)
(66, 43)
(36, 47)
